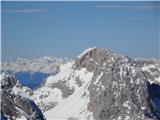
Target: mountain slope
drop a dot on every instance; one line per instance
(98, 85)
(15, 102)
(101, 85)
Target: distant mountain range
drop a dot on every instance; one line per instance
(98, 85)
(46, 64)
(31, 72)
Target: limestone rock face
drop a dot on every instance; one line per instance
(97, 85)
(124, 93)
(15, 106)
(8, 81)
(92, 58)
(121, 87)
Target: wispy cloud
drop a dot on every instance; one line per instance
(24, 10)
(123, 6)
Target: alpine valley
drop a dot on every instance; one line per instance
(97, 85)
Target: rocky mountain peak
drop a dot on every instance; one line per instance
(97, 85)
(93, 57)
(7, 80)
(14, 103)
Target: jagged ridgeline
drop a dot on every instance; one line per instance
(98, 85)
(15, 106)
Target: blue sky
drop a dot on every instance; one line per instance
(65, 29)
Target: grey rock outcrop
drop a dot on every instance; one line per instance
(93, 58)
(122, 90)
(66, 91)
(14, 106)
(114, 87)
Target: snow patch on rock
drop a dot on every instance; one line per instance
(86, 51)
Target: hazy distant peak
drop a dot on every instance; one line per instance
(46, 64)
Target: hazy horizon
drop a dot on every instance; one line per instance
(65, 29)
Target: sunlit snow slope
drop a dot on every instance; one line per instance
(101, 85)
(75, 105)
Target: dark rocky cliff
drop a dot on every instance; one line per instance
(15, 106)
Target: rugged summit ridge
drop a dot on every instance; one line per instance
(92, 57)
(15, 106)
(101, 85)
(114, 87)
(120, 85)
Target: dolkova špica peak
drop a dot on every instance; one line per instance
(97, 85)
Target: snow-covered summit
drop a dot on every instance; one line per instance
(101, 85)
(95, 86)
(85, 52)
(5, 75)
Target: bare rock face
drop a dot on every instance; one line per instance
(14, 106)
(120, 89)
(8, 81)
(66, 91)
(124, 95)
(92, 58)
(114, 87)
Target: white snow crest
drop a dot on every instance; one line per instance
(86, 51)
